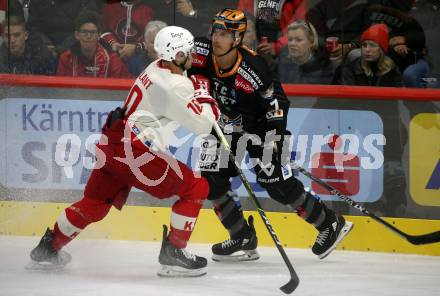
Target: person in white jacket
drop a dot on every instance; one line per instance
(132, 152)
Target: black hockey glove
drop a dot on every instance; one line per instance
(118, 113)
(276, 148)
(274, 165)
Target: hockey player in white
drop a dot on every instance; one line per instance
(134, 142)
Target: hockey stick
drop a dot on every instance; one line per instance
(422, 239)
(294, 280)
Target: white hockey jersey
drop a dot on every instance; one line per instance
(160, 102)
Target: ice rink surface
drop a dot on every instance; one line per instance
(127, 268)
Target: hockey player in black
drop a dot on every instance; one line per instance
(253, 103)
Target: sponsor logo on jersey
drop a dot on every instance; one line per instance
(209, 161)
(275, 114)
(424, 159)
(223, 93)
(247, 76)
(202, 51)
(202, 44)
(286, 171)
(199, 61)
(249, 70)
(135, 129)
(241, 83)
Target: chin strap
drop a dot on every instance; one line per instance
(232, 47)
(229, 50)
(181, 66)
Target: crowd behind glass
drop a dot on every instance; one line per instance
(350, 42)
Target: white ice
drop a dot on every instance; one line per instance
(128, 268)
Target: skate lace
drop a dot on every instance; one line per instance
(322, 237)
(229, 242)
(188, 255)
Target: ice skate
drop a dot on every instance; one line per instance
(179, 262)
(44, 257)
(330, 235)
(242, 249)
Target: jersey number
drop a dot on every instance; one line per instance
(275, 104)
(195, 106)
(133, 99)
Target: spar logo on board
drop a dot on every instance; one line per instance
(424, 159)
(339, 170)
(343, 148)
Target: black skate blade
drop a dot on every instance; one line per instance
(44, 266)
(176, 271)
(239, 256)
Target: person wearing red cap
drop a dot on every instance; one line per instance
(373, 67)
(378, 34)
(407, 39)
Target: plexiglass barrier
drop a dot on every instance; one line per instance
(378, 146)
(367, 42)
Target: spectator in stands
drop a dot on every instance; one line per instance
(124, 24)
(427, 13)
(144, 58)
(151, 31)
(9, 8)
(87, 57)
(23, 53)
(344, 19)
(250, 36)
(55, 21)
(272, 21)
(373, 67)
(194, 15)
(407, 38)
(301, 61)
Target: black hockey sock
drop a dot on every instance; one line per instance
(311, 209)
(230, 214)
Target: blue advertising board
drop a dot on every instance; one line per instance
(343, 147)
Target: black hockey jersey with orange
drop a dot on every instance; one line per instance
(246, 93)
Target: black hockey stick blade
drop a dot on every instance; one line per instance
(291, 285)
(424, 239)
(294, 279)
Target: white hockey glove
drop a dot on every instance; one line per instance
(202, 93)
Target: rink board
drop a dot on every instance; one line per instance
(144, 223)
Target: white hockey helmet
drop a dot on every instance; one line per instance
(171, 40)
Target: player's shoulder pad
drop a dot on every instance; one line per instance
(254, 69)
(181, 86)
(202, 48)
